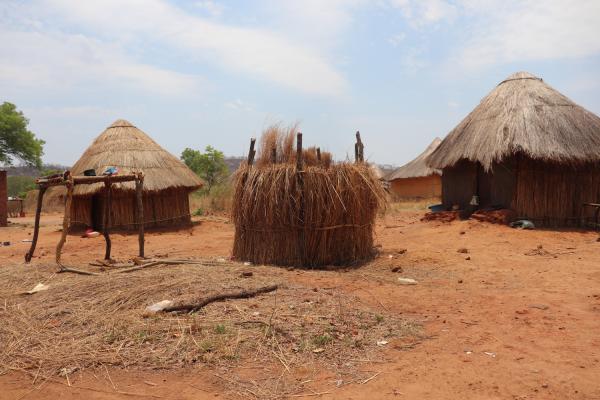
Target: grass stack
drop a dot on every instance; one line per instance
(297, 207)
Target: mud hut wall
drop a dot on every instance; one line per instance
(552, 194)
(416, 188)
(161, 209)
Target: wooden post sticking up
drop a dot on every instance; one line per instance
(107, 219)
(359, 148)
(319, 154)
(299, 151)
(36, 228)
(273, 155)
(251, 152)
(66, 219)
(139, 191)
(300, 180)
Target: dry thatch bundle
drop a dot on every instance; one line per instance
(321, 215)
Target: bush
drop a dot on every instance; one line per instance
(217, 201)
(20, 185)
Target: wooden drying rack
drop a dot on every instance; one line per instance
(70, 181)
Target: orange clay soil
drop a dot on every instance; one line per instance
(506, 319)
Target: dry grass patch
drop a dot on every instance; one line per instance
(289, 336)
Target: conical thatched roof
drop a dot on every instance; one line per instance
(418, 167)
(124, 146)
(522, 114)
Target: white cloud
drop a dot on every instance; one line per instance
(395, 40)
(211, 7)
(421, 13)
(56, 61)
(531, 30)
(257, 52)
(238, 104)
(505, 31)
(320, 23)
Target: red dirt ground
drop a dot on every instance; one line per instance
(506, 320)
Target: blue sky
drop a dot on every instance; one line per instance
(197, 73)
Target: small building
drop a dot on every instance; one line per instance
(3, 198)
(525, 147)
(416, 179)
(167, 181)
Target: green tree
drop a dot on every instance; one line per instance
(16, 140)
(210, 165)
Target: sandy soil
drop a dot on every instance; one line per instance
(505, 320)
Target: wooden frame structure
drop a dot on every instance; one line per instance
(70, 182)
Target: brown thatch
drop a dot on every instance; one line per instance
(167, 181)
(525, 147)
(523, 115)
(418, 167)
(124, 146)
(323, 215)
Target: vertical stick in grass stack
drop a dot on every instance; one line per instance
(300, 180)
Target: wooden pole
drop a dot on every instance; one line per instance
(319, 154)
(300, 180)
(107, 209)
(36, 227)
(66, 220)
(356, 155)
(251, 152)
(273, 155)
(139, 191)
(360, 148)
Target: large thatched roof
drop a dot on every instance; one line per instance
(418, 167)
(522, 115)
(124, 146)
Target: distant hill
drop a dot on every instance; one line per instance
(32, 171)
(233, 163)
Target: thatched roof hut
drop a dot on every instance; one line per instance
(167, 181)
(416, 179)
(526, 147)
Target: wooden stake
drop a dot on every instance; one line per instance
(107, 219)
(36, 228)
(299, 151)
(360, 148)
(273, 155)
(319, 154)
(300, 180)
(66, 220)
(251, 152)
(139, 191)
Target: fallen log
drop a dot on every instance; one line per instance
(244, 294)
